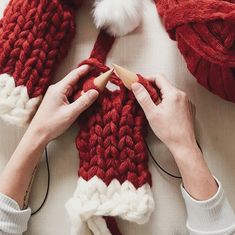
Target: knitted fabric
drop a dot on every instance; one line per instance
(34, 37)
(205, 32)
(114, 179)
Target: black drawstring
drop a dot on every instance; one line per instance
(48, 184)
(161, 168)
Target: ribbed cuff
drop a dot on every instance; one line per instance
(212, 216)
(13, 220)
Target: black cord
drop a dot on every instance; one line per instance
(199, 146)
(161, 168)
(48, 184)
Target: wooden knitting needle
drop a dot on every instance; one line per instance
(127, 77)
(101, 81)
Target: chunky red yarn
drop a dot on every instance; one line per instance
(205, 32)
(34, 36)
(111, 138)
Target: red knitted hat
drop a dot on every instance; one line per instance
(34, 37)
(205, 32)
(114, 179)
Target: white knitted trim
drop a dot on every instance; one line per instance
(93, 199)
(15, 105)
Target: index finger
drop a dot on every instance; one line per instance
(73, 77)
(162, 83)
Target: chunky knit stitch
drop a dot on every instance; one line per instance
(114, 179)
(34, 37)
(205, 32)
(111, 138)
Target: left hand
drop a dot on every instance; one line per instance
(172, 119)
(55, 114)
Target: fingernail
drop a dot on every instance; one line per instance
(92, 94)
(136, 86)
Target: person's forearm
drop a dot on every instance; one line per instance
(16, 178)
(197, 178)
(54, 116)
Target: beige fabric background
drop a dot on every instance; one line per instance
(148, 51)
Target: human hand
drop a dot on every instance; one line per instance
(172, 120)
(55, 114)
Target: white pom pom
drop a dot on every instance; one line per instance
(118, 17)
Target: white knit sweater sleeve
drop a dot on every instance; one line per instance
(13, 220)
(211, 217)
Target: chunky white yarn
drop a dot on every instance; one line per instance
(15, 105)
(98, 226)
(93, 199)
(118, 17)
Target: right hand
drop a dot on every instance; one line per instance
(172, 120)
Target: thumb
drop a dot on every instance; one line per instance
(143, 98)
(83, 102)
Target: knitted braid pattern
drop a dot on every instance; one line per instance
(205, 32)
(113, 129)
(114, 179)
(34, 36)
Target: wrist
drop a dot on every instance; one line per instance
(182, 152)
(37, 136)
(197, 178)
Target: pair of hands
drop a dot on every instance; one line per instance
(171, 119)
